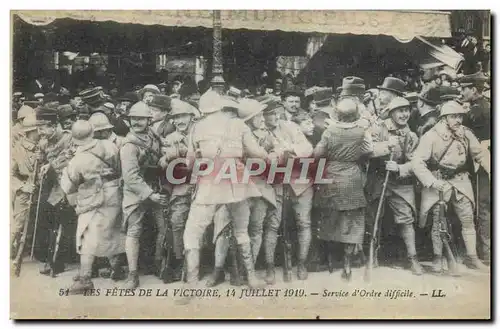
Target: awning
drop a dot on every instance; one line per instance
(401, 24)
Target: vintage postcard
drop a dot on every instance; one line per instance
(259, 164)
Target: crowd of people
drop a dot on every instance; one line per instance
(95, 166)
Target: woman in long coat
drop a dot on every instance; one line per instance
(342, 202)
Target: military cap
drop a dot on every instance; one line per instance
(65, 111)
(91, 96)
(452, 107)
(393, 84)
(476, 79)
(162, 102)
(82, 132)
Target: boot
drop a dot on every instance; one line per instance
(247, 259)
(178, 267)
(192, 272)
(452, 268)
(81, 286)
(58, 268)
(347, 272)
(474, 263)
(437, 264)
(132, 281)
(415, 266)
(217, 277)
(270, 275)
(301, 270)
(117, 272)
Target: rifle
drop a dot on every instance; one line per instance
(287, 246)
(56, 250)
(446, 236)
(374, 242)
(166, 272)
(36, 219)
(20, 248)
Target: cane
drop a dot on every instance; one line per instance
(36, 218)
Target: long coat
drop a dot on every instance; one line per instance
(402, 182)
(94, 173)
(451, 151)
(223, 146)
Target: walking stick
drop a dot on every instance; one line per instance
(374, 239)
(36, 219)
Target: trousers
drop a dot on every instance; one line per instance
(179, 211)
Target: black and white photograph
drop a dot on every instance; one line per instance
(250, 164)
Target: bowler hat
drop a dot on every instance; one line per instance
(431, 96)
(352, 86)
(293, 91)
(129, 97)
(393, 84)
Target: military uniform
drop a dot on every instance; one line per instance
(478, 119)
(400, 193)
(301, 196)
(443, 154)
(23, 163)
(227, 143)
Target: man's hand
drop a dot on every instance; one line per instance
(28, 188)
(159, 198)
(391, 166)
(175, 137)
(440, 185)
(44, 169)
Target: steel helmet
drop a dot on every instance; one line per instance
(82, 132)
(452, 107)
(181, 107)
(100, 121)
(24, 111)
(397, 103)
(248, 108)
(140, 109)
(30, 123)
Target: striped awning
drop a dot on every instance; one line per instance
(397, 23)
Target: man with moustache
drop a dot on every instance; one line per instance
(291, 100)
(57, 148)
(394, 137)
(390, 89)
(67, 116)
(119, 118)
(142, 192)
(440, 163)
(160, 106)
(478, 119)
(175, 147)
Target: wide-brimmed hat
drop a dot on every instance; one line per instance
(352, 86)
(248, 108)
(393, 84)
(82, 132)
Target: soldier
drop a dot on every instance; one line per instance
(227, 143)
(94, 174)
(440, 164)
(57, 148)
(67, 116)
(290, 142)
(18, 129)
(139, 157)
(175, 146)
(394, 137)
(25, 155)
(119, 117)
(103, 129)
(478, 119)
(147, 92)
(354, 88)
